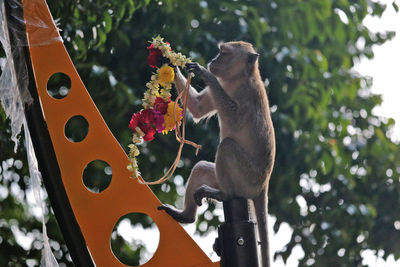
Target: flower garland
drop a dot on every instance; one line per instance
(159, 113)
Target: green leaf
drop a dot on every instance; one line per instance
(372, 210)
(395, 6)
(2, 113)
(108, 22)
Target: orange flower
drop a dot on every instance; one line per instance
(169, 120)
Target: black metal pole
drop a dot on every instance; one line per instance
(41, 140)
(236, 243)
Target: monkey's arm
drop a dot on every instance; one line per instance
(199, 104)
(223, 102)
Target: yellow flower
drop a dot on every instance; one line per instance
(169, 120)
(166, 75)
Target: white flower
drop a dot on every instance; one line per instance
(136, 139)
(133, 151)
(149, 85)
(139, 131)
(168, 86)
(153, 92)
(130, 167)
(165, 94)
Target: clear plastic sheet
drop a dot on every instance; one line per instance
(12, 100)
(48, 259)
(41, 29)
(14, 95)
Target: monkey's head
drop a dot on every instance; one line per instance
(235, 59)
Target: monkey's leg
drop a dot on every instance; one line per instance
(237, 172)
(203, 173)
(237, 175)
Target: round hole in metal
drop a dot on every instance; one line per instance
(76, 128)
(134, 239)
(58, 85)
(97, 176)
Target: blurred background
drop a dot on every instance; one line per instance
(330, 69)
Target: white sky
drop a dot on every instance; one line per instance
(385, 67)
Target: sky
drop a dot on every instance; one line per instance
(384, 69)
(385, 66)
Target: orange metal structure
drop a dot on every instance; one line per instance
(97, 213)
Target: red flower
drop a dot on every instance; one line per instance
(134, 121)
(161, 105)
(149, 132)
(155, 55)
(153, 61)
(154, 51)
(146, 117)
(144, 120)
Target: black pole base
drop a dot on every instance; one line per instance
(236, 242)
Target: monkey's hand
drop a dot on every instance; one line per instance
(199, 70)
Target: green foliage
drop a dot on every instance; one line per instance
(336, 176)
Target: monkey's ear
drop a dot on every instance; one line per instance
(253, 58)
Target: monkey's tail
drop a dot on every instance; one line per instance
(261, 210)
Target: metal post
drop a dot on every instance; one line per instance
(42, 144)
(236, 242)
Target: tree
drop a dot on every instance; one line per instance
(336, 173)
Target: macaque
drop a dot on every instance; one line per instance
(246, 152)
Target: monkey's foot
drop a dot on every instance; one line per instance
(206, 191)
(177, 215)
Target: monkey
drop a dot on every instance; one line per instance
(246, 152)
